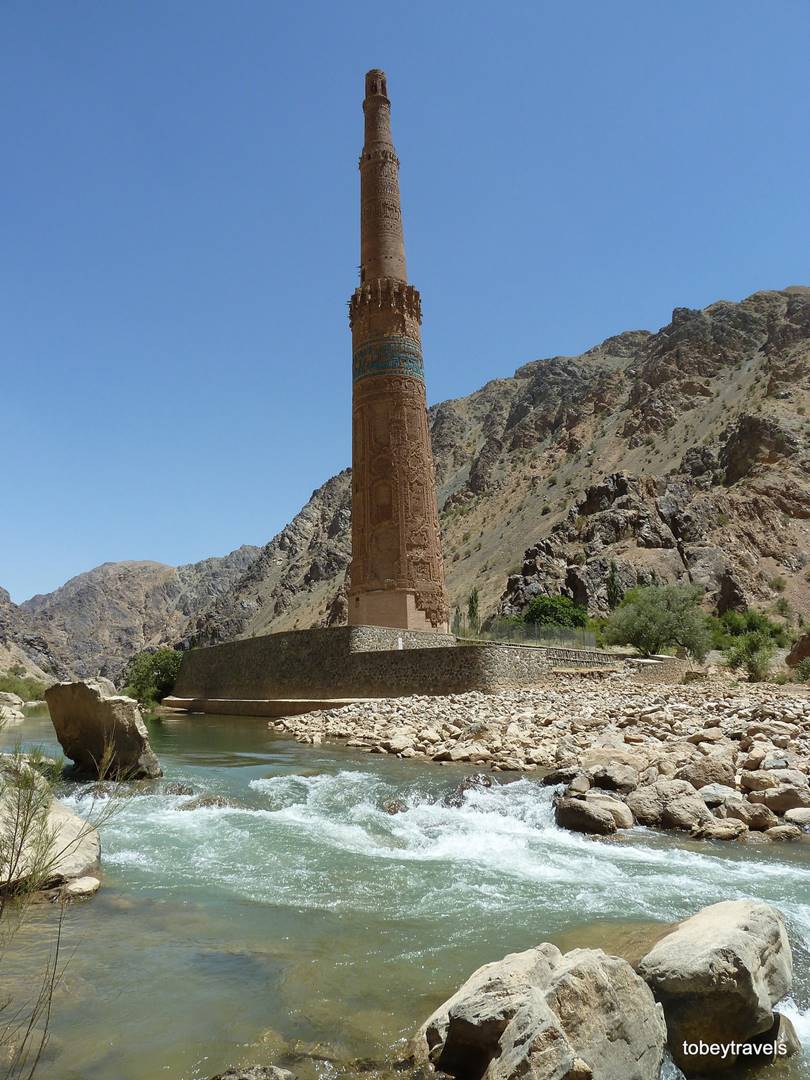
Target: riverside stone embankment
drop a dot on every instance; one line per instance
(716, 759)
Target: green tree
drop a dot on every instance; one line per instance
(657, 616)
(615, 591)
(150, 676)
(473, 615)
(555, 611)
(456, 627)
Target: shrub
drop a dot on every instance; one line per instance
(734, 624)
(22, 686)
(150, 676)
(657, 616)
(753, 653)
(802, 670)
(777, 583)
(555, 611)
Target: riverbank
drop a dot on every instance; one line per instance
(749, 743)
(298, 922)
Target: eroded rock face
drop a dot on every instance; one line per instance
(540, 1013)
(718, 976)
(103, 734)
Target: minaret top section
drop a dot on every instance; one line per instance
(382, 245)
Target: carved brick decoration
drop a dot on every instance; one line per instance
(397, 577)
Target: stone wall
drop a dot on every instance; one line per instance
(668, 670)
(374, 638)
(350, 662)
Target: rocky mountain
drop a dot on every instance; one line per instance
(681, 455)
(97, 620)
(676, 455)
(22, 650)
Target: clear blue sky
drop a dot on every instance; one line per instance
(179, 198)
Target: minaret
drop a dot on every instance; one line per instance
(397, 578)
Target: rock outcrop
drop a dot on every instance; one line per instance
(11, 708)
(581, 1015)
(101, 732)
(23, 649)
(42, 842)
(718, 976)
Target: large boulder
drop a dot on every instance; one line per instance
(101, 732)
(783, 797)
(648, 801)
(580, 816)
(718, 976)
(711, 769)
(583, 1015)
(799, 652)
(42, 842)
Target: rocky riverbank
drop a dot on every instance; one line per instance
(716, 759)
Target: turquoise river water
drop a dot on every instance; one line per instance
(304, 919)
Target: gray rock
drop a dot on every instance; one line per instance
(542, 1014)
(619, 811)
(717, 794)
(615, 777)
(784, 797)
(57, 845)
(586, 817)
(101, 733)
(711, 769)
(754, 815)
(718, 976)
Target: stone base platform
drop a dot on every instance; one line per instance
(303, 670)
(257, 706)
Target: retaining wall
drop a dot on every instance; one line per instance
(364, 662)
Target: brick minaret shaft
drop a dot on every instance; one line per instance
(397, 578)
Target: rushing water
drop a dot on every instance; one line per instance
(305, 917)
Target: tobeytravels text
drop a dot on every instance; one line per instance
(734, 1049)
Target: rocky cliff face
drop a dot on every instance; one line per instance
(22, 650)
(677, 455)
(97, 620)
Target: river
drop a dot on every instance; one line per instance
(306, 919)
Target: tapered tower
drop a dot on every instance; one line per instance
(397, 577)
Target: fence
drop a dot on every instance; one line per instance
(522, 633)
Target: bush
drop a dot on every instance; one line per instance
(802, 670)
(22, 686)
(734, 624)
(150, 676)
(555, 611)
(657, 616)
(754, 654)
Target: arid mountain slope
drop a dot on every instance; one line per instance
(22, 650)
(705, 421)
(97, 620)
